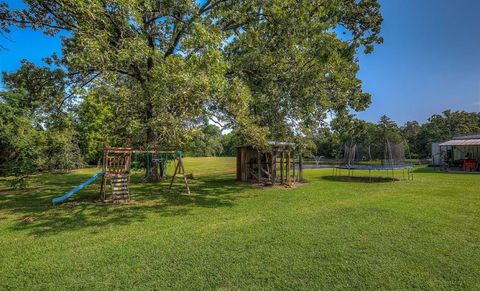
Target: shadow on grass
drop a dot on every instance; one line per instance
(438, 170)
(83, 212)
(359, 179)
(427, 170)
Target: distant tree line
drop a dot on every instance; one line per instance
(416, 137)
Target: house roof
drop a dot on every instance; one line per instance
(461, 142)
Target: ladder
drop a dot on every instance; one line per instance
(119, 185)
(116, 168)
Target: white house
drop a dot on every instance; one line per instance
(460, 151)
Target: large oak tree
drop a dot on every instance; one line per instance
(272, 68)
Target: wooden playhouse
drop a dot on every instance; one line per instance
(280, 164)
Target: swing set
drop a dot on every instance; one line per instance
(155, 162)
(117, 166)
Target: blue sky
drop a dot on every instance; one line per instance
(429, 62)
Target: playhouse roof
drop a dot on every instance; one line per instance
(281, 143)
(274, 144)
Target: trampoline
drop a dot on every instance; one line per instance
(373, 168)
(387, 157)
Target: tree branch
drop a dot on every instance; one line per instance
(57, 17)
(73, 93)
(207, 6)
(35, 26)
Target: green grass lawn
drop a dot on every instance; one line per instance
(329, 233)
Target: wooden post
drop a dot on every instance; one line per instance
(174, 174)
(184, 175)
(259, 166)
(239, 164)
(102, 188)
(281, 168)
(287, 170)
(244, 164)
(300, 167)
(274, 167)
(180, 170)
(104, 180)
(293, 167)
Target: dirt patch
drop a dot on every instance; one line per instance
(29, 219)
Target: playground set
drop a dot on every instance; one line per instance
(117, 166)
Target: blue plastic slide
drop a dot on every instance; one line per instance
(76, 189)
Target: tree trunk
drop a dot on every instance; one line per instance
(151, 174)
(149, 116)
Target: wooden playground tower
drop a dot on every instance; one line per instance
(117, 169)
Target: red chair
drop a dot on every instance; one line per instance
(470, 165)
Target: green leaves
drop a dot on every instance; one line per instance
(271, 69)
(297, 68)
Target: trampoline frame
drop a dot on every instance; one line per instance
(337, 171)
